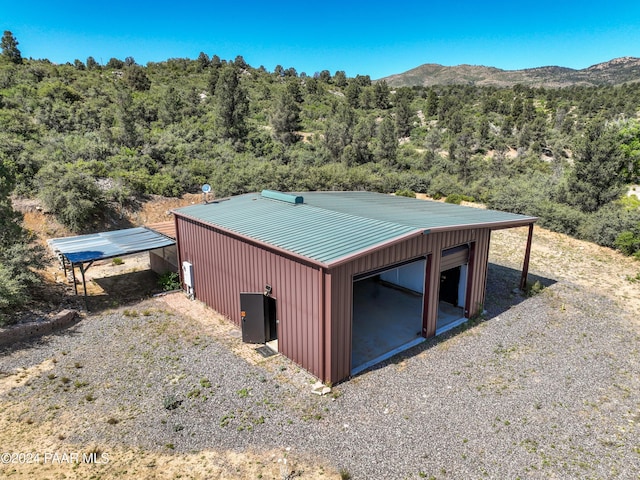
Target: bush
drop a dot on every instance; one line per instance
(169, 281)
(455, 198)
(72, 195)
(12, 292)
(458, 198)
(406, 193)
(170, 402)
(17, 277)
(629, 242)
(518, 195)
(559, 217)
(444, 184)
(534, 289)
(604, 226)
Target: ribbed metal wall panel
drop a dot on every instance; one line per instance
(341, 285)
(225, 266)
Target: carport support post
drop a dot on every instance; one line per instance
(527, 255)
(84, 282)
(73, 277)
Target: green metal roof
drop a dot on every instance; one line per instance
(421, 214)
(331, 226)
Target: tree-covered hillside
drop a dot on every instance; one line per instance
(89, 139)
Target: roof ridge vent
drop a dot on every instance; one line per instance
(281, 196)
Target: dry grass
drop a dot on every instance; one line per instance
(559, 257)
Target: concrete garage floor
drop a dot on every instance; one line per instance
(449, 316)
(387, 320)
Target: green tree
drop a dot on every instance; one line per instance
(387, 149)
(231, 105)
(339, 130)
(460, 153)
(340, 79)
(136, 78)
(597, 175)
(364, 132)
(324, 76)
(126, 129)
(403, 112)
(313, 87)
(115, 64)
(432, 104)
(605, 226)
(240, 63)
(381, 94)
(367, 98)
(203, 61)
(284, 117)
(630, 145)
(92, 64)
(9, 46)
(170, 106)
(363, 80)
(628, 242)
(352, 94)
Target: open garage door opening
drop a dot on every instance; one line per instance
(387, 313)
(452, 292)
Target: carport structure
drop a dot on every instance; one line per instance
(83, 250)
(356, 276)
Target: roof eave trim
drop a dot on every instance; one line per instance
(365, 251)
(490, 225)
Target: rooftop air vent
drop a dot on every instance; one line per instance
(283, 197)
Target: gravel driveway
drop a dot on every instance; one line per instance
(543, 387)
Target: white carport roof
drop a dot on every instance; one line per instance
(103, 245)
(86, 249)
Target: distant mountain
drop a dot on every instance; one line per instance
(614, 72)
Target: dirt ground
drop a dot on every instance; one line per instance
(554, 257)
(47, 457)
(559, 257)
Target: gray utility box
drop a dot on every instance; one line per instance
(258, 317)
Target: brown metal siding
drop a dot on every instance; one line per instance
(341, 285)
(314, 305)
(225, 266)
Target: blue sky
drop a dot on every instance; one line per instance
(369, 38)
